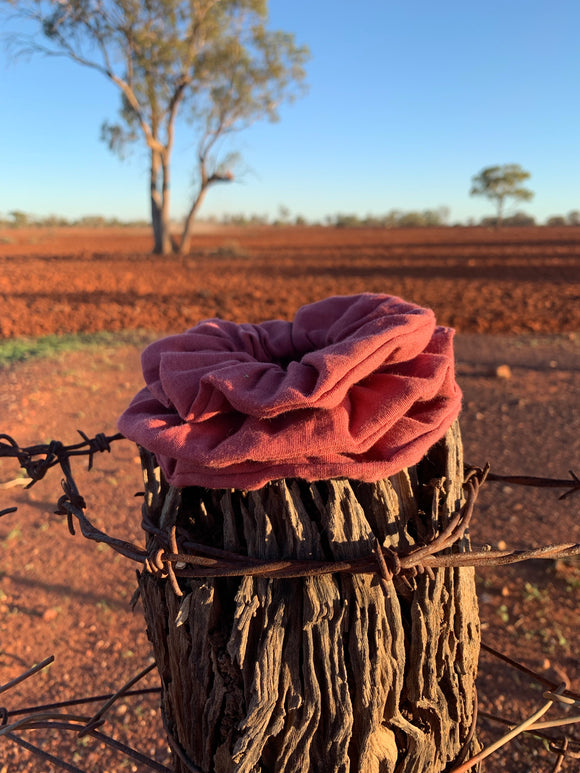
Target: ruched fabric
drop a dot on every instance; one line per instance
(356, 386)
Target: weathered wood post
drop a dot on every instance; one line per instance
(344, 671)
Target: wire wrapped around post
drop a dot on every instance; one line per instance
(346, 671)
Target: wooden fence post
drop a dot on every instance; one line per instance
(322, 673)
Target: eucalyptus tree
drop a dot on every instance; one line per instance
(499, 183)
(212, 66)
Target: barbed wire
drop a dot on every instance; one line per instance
(190, 559)
(205, 561)
(46, 717)
(49, 717)
(529, 724)
(54, 452)
(572, 483)
(560, 694)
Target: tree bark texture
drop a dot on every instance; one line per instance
(321, 673)
(159, 177)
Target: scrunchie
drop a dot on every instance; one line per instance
(356, 386)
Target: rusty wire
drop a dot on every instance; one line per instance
(572, 484)
(43, 717)
(550, 684)
(197, 560)
(556, 693)
(48, 717)
(51, 454)
(526, 725)
(85, 700)
(553, 742)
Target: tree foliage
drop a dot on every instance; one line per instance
(213, 63)
(499, 183)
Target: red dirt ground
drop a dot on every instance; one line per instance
(516, 281)
(514, 298)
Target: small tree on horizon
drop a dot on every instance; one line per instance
(499, 183)
(211, 62)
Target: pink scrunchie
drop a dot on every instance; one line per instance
(356, 386)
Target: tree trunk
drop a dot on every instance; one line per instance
(155, 202)
(322, 673)
(188, 227)
(160, 204)
(166, 243)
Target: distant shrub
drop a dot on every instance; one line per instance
(556, 220)
(427, 218)
(373, 221)
(19, 219)
(412, 220)
(517, 220)
(241, 221)
(258, 220)
(52, 221)
(346, 221)
(91, 221)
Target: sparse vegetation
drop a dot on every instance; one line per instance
(394, 219)
(556, 220)
(517, 220)
(427, 218)
(18, 219)
(14, 350)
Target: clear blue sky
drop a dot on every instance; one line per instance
(407, 100)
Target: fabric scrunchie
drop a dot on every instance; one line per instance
(356, 386)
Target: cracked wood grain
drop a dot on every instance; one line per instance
(318, 673)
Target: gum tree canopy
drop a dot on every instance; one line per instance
(499, 183)
(212, 63)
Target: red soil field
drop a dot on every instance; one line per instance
(512, 295)
(476, 280)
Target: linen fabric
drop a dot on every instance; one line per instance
(356, 386)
